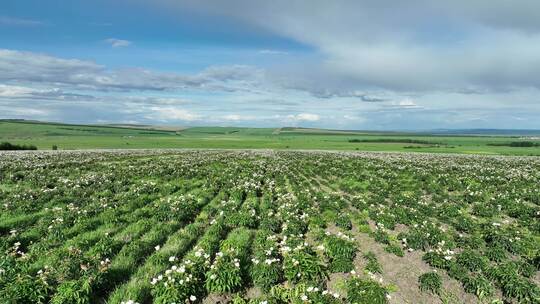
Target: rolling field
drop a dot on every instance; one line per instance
(68, 137)
(169, 226)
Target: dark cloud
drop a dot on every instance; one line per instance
(416, 45)
(369, 98)
(365, 97)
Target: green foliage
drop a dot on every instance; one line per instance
(372, 265)
(343, 221)
(496, 254)
(478, 285)
(25, 289)
(228, 270)
(431, 282)
(340, 251)
(186, 279)
(73, 292)
(471, 260)
(394, 249)
(302, 293)
(361, 291)
(226, 276)
(266, 269)
(168, 226)
(303, 265)
(512, 284)
(414, 240)
(457, 271)
(381, 236)
(436, 260)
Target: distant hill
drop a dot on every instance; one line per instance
(485, 132)
(46, 135)
(118, 126)
(302, 130)
(146, 127)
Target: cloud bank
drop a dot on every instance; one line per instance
(366, 65)
(405, 46)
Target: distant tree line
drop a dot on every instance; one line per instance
(9, 146)
(395, 140)
(520, 144)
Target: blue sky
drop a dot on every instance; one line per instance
(333, 64)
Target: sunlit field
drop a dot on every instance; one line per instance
(169, 226)
(74, 137)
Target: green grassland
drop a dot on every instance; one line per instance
(66, 137)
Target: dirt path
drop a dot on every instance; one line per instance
(403, 272)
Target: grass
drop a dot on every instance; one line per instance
(68, 137)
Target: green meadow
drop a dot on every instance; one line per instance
(71, 137)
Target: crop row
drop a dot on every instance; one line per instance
(274, 227)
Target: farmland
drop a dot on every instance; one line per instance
(268, 226)
(70, 137)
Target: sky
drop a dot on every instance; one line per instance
(340, 64)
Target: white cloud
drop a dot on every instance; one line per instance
(233, 117)
(11, 111)
(354, 118)
(407, 102)
(14, 91)
(304, 117)
(163, 100)
(272, 52)
(115, 43)
(12, 21)
(28, 93)
(171, 113)
(403, 104)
